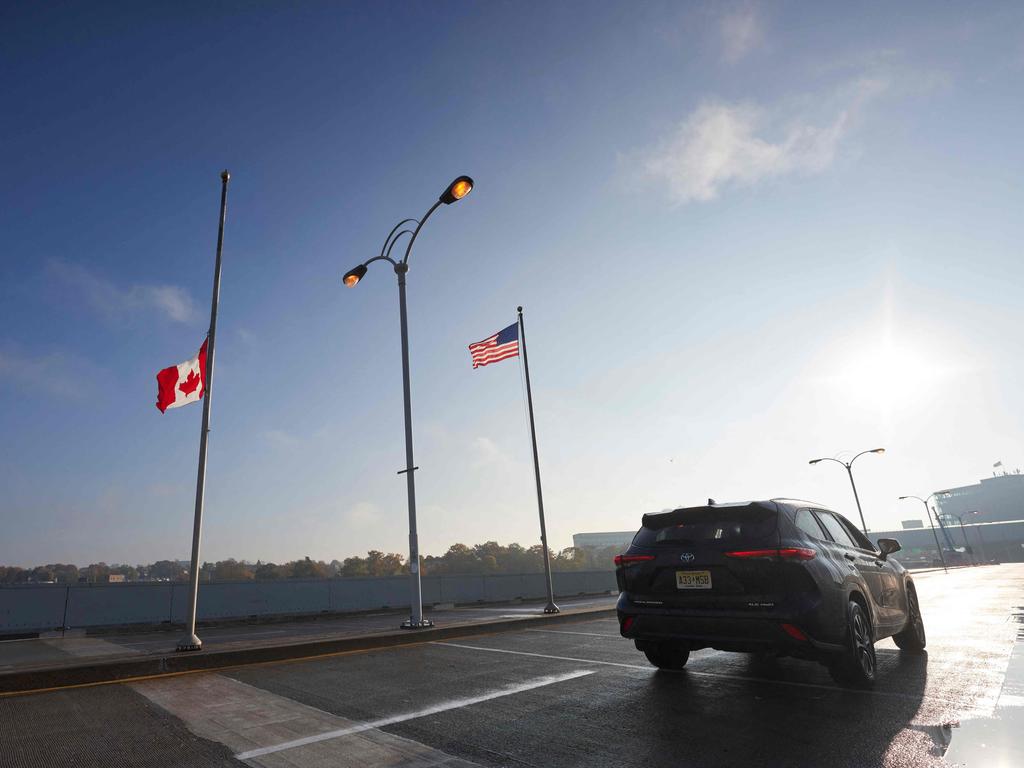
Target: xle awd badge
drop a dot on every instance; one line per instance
(686, 557)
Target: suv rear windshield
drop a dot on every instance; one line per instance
(692, 526)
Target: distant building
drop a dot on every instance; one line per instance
(999, 498)
(978, 542)
(908, 524)
(603, 540)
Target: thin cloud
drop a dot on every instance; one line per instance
(175, 303)
(280, 439)
(741, 32)
(113, 302)
(57, 373)
(722, 145)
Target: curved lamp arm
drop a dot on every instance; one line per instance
(914, 497)
(387, 256)
(419, 226)
(873, 450)
(829, 458)
(391, 234)
(403, 232)
(458, 189)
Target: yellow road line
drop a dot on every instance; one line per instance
(8, 694)
(201, 671)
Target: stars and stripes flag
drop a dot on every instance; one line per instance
(501, 346)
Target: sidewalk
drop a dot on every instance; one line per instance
(76, 660)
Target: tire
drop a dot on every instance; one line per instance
(856, 666)
(668, 656)
(912, 639)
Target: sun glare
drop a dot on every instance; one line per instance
(886, 375)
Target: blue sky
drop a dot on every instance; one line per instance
(745, 235)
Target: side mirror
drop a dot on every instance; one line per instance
(888, 546)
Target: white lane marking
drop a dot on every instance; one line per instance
(716, 675)
(539, 682)
(566, 632)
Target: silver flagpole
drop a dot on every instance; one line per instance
(550, 607)
(191, 641)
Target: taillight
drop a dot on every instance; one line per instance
(786, 553)
(627, 623)
(627, 559)
(794, 632)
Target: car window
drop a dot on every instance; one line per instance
(859, 539)
(835, 528)
(805, 522)
(693, 526)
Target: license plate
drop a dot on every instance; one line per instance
(693, 579)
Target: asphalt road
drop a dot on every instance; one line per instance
(572, 695)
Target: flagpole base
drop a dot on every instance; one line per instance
(421, 624)
(552, 608)
(192, 643)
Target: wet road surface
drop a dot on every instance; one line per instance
(572, 695)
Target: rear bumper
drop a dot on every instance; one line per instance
(726, 631)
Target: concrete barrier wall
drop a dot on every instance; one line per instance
(43, 607)
(30, 609)
(98, 605)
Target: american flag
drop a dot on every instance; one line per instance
(502, 345)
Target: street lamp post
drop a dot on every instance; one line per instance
(967, 544)
(928, 512)
(455, 191)
(849, 471)
(981, 543)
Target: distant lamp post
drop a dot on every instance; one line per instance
(849, 471)
(928, 512)
(454, 192)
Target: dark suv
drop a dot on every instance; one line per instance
(782, 577)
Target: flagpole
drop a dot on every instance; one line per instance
(550, 607)
(191, 641)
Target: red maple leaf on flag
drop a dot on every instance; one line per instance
(183, 383)
(188, 386)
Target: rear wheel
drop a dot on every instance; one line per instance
(912, 639)
(668, 656)
(855, 667)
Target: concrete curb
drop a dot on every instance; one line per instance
(98, 672)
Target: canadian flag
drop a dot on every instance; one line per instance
(183, 383)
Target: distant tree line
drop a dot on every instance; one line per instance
(489, 557)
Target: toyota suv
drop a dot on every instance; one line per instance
(780, 577)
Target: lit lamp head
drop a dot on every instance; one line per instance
(878, 450)
(354, 275)
(457, 190)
